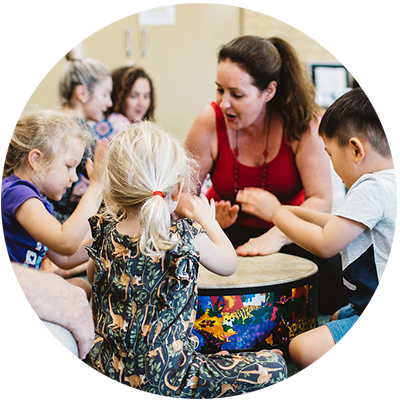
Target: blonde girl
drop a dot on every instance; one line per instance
(41, 160)
(143, 270)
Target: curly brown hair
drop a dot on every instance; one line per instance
(123, 79)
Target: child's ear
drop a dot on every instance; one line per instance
(175, 195)
(35, 158)
(358, 149)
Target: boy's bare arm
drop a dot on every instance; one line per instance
(316, 217)
(335, 234)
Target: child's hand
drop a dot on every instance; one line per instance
(96, 167)
(200, 209)
(258, 202)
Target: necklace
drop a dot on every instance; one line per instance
(265, 166)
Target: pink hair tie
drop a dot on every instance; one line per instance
(158, 193)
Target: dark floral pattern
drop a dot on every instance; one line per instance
(144, 312)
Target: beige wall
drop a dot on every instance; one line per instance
(182, 60)
(31, 57)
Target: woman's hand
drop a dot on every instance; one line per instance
(268, 243)
(225, 213)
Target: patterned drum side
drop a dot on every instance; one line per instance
(237, 319)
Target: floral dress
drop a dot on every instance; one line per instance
(144, 311)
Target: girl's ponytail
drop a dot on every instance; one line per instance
(155, 221)
(144, 165)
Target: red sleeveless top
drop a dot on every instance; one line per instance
(283, 178)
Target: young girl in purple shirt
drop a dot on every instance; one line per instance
(41, 161)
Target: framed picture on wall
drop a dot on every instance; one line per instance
(331, 81)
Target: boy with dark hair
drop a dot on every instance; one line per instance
(363, 229)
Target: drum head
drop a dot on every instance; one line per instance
(273, 269)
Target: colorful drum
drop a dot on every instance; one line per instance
(264, 304)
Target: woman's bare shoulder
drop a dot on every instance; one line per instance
(309, 137)
(206, 119)
(203, 127)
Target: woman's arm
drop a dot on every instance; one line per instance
(202, 142)
(313, 164)
(55, 300)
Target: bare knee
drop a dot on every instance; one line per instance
(310, 346)
(298, 352)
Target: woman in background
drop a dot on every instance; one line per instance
(85, 92)
(133, 99)
(85, 86)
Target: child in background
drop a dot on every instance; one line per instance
(133, 99)
(362, 229)
(144, 269)
(41, 160)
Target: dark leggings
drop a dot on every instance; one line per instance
(331, 296)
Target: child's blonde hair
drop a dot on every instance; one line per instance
(48, 131)
(80, 70)
(144, 159)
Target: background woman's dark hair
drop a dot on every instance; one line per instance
(354, 115)
(123, 79)
(273, 59)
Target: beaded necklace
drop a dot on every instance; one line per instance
(265, 166)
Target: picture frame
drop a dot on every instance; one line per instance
(331, 81)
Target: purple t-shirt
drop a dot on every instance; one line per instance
(21, 246)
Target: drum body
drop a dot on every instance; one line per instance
(268, 301)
